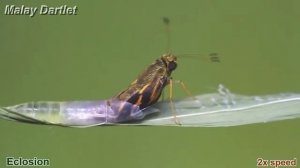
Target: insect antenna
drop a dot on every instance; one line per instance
(212, 57)
(166, 21)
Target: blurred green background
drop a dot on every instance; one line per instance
(98, 52)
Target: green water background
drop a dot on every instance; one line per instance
(98, 52)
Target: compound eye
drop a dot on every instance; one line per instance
(172, 66)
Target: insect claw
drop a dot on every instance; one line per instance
(177, 122)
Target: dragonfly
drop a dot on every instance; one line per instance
(131, 104)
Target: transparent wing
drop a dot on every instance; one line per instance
(74, 113)
(59, 113)
(216, 110)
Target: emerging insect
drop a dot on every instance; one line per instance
(128, 105)
(148, 87)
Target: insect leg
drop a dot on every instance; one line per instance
(185, 89)
(172, 107)
(162, 98)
